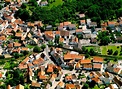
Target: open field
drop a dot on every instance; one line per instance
(104, 49)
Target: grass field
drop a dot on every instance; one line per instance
(96, 48)
(104, 49)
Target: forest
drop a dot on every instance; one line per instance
(97, 10)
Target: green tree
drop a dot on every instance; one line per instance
(83, 49)
(115, 53)
(25, 53)
(56, 39)
(36, 49)
(43, 46)
(92, 52)
(16, 55)
(85, 86)
(14, 77)
(110, 51)
(33, 3)
(103, 38)
(87, 55)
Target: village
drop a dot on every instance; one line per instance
(49, 56)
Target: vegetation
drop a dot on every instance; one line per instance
(36, 49)
(103, 38)
(14, 77)
(58, 11)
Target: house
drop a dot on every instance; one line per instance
(111, 24)
(52, 79)
(79, 31)
(112, 86)
(119, 39)
(64, 34)
(49, 35)
(68, 78)
(93, 41)
(65, 24)
(74, 77)
(98, 59)
(72, 27)
(81, 15)
(86, 64)
(49, 27)
(29, 24)
(117, 81)
(38, 62)
(88, 21)
(61, 28)
(19, 86)
(97, 66)
(120, 23)
(18, 35)
(73, 41)
(93, 24)
(44, 3)
(116, 70)
(60, 85)
(16, 44)
(68, 57)
(70, 86)
(43, 78)
(106, 80)
(59, 75)
(82, 22)
(77, 66)
(50, 68)
(35, 85)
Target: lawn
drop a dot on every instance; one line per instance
(114, 48)
(96, 48)
(56, 3)
(96, 87)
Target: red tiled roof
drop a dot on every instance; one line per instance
(86, 61)
(98, 59)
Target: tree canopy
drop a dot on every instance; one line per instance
(95, 9)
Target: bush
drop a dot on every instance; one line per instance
(115, 53)
(2, 57)
(16, 55)
(36, 49)
(87, 55)
(110, 51)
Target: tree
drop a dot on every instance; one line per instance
(110, 51)
(16, 55)
(33, 3)
(80, 36)
(83, 49)
(25, 52)
(85, 86)
(56, 39)
(14, 77)
(92, 84)
(50, 43)
(115, 53)
(92, 52)
(0, 7)
(60, 44)
(43, 46)
(87, 55)
(36, 49)
(103, 38)
(23, 14)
